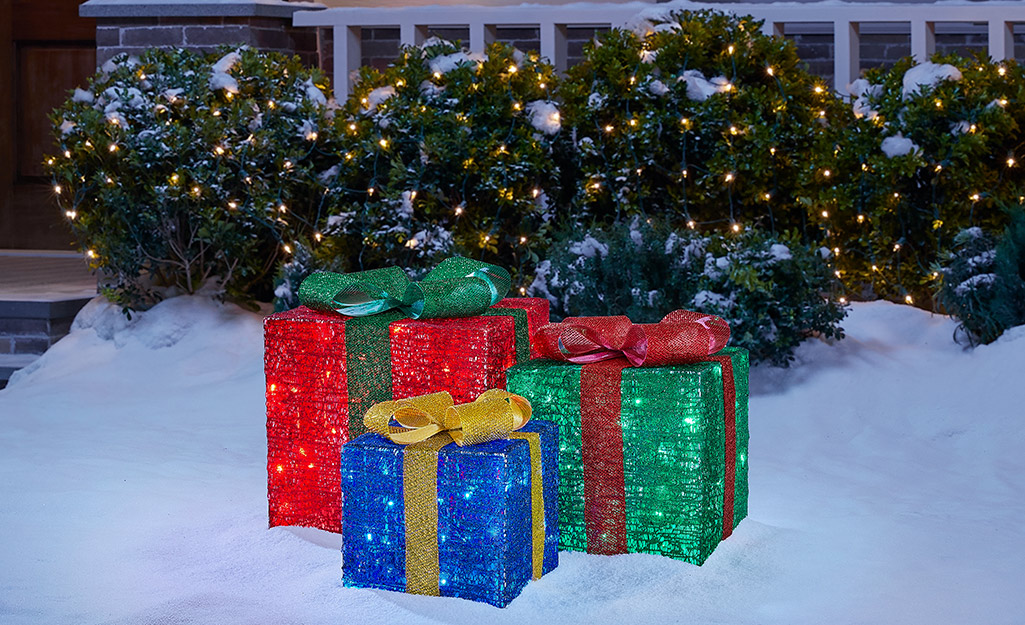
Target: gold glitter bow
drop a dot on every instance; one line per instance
(492, 416)
(428, 423)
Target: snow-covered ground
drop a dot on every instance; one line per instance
(887, 486)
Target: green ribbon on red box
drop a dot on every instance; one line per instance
(457, 287)
(605, 346)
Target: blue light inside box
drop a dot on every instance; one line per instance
(484, 516)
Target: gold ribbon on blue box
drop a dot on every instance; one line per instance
(426, 424)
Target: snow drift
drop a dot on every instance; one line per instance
(886, 486)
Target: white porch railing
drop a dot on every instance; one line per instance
(552, 21)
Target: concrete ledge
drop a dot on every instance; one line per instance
(194, 8)
(56, 309)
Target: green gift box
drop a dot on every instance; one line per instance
(652, 459)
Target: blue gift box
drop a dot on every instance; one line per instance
(485, 542)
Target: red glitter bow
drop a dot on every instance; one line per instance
(681, 337)
(604, 346)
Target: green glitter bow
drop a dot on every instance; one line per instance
(457, 287)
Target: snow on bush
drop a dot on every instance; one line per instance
(769, 289)
(898, 145)
(926, 150)
(681, 119)
(927, 75)
(544, 116)
(186, 167)
(700, 88)
(983, 281)
(444, 152)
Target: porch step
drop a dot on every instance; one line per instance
(40, 294)
(9, 363)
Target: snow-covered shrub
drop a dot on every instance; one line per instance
(931, 149)
(696, 115)
(984, 281)
(773, 290)
(174, 168)
(446, 152)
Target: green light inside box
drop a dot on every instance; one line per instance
(673, 423)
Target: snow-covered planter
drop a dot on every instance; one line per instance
(445, 152)
(929, 149)
(175, 168)
(696, 116)
(773, 290)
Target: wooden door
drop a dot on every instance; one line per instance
(49, 51)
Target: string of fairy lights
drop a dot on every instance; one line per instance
(512, 192)
(488, 167)
(233, 159)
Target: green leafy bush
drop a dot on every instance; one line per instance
(696, 116)
(984, 281)
(446, 152)
(773, 291)
(932, 149)
(176, 168)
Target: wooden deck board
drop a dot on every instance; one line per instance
(44, 276)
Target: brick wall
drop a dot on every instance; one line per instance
(882, 46)
(381, 45)
(31, 336)
(134, 34)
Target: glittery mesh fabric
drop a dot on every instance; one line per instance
(672, 428)
(307, 409)
(420, 505)
(682, 336)
(484, 516)
(324, 370)
(740, 375)
(537, 317)
(457, 287)
(324, 291)
(601, 437)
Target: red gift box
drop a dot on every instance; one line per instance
(320, 381)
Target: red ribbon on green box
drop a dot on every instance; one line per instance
(605, 346)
